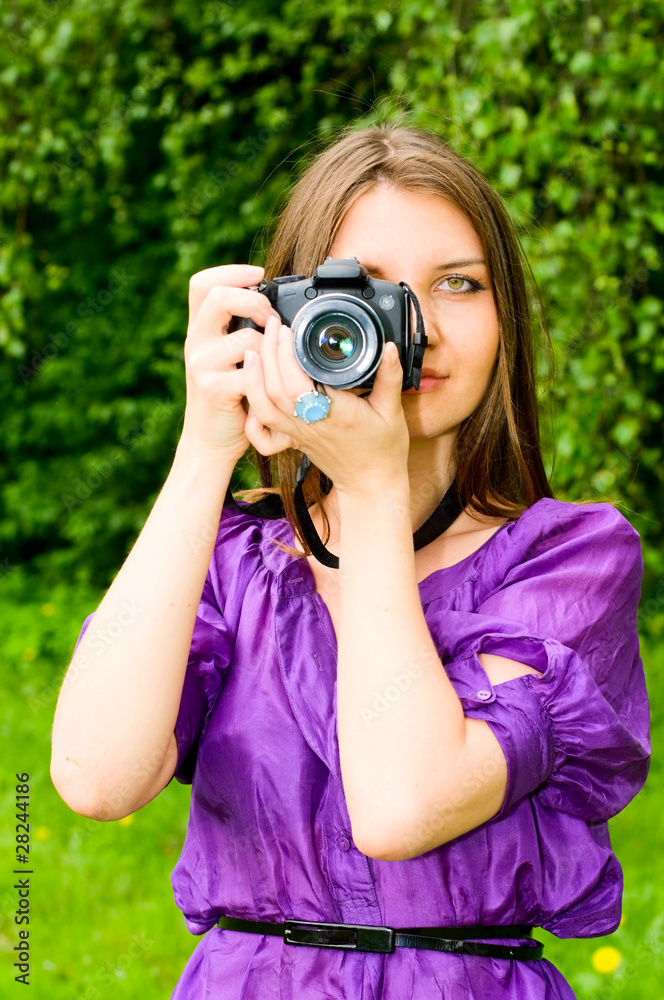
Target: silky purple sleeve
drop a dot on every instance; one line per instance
(235, 563)
(561, 595)
(209, 656)
(234, 560)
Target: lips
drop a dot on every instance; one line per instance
(429, 381)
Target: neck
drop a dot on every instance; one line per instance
(430, 473)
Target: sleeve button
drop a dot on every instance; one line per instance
(343, 842)
(484, 695)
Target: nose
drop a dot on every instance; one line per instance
(431, 330)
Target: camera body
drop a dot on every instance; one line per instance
(341, 320)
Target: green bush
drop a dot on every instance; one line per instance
(144, 141)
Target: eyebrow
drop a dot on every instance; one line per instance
(439, 267)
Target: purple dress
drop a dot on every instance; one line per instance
(269, 835)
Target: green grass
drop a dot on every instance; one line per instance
(103, 919)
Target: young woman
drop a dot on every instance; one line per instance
(427, 740)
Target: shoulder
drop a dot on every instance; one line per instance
(238, 524)
(556, 536)
(238, 554)
(556, 522)
(254, 534)
(570, 571)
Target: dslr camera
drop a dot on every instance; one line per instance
(341, 320)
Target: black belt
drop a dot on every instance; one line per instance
(362, 937)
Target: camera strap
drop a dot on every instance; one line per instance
(418, 345)
(445, 513)
(271, 508)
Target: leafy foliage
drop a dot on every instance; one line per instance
(144, 141)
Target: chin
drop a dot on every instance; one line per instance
(429, 426)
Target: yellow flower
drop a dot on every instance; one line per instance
(43, 832)
(48, 610)
(29, 655)
(606, 959)
(126, 820)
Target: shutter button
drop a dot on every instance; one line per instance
(343, 842)
(484, 695)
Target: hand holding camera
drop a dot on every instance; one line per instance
(342, 319)
(215, 415)
(338, 339)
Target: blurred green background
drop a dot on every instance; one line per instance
(143, 141)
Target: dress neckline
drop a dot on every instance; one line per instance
(429, 583)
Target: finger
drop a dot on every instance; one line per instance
(266, 410)
(265, 440)
(200, 283)
(222, 390)
(274, 355)
(385, 396)
(294, 380)
(222, 353)
(220, 304)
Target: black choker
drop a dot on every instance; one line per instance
(271, 507)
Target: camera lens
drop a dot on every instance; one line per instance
(338, 340)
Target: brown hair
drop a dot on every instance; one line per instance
(498, 457)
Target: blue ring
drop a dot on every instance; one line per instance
(312, 406)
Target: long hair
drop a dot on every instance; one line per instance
(497, 455)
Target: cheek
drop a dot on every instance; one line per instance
(480, 342)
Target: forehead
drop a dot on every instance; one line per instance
(387, 222)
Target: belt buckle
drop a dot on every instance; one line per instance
(351, 937)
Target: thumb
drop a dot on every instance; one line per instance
(389, 378)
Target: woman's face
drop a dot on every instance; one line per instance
(422, 239)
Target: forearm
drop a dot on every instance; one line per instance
(401, 726)
(120, 697)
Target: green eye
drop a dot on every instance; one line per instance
(456, 283)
